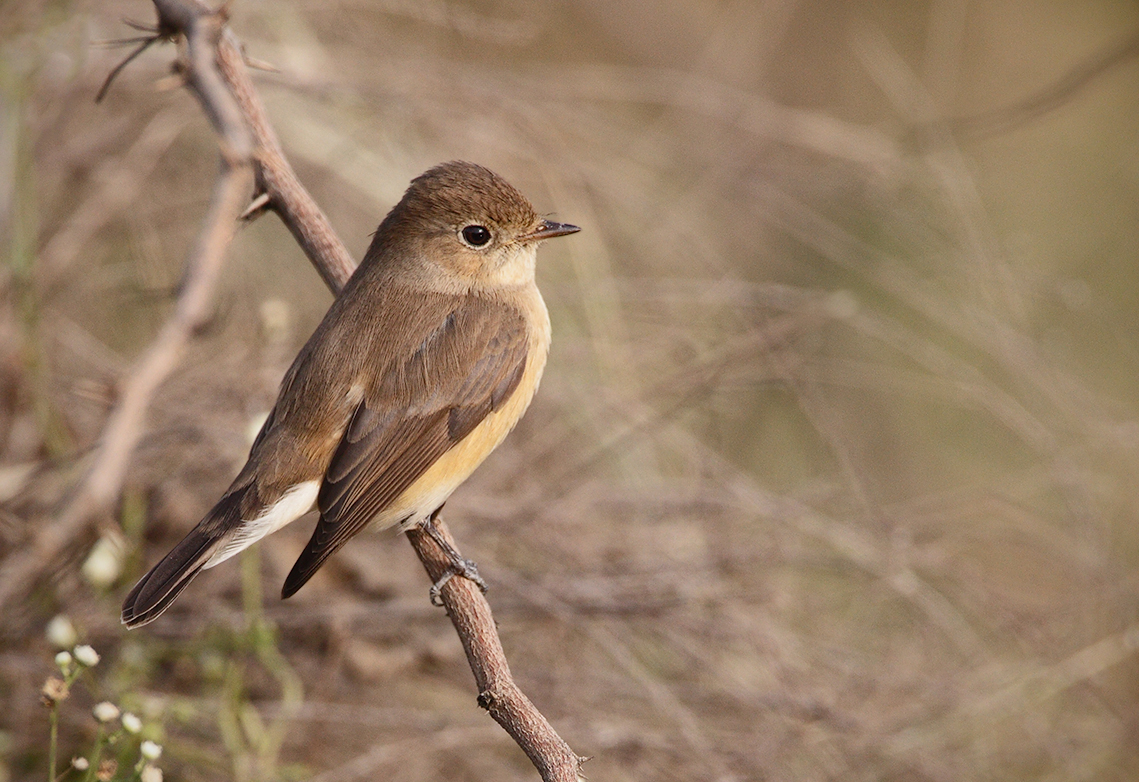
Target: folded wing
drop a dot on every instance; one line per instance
(465, 369)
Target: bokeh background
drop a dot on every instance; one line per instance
(833, 471)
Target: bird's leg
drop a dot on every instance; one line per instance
(460, 566)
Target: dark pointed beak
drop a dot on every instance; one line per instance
(549, 229)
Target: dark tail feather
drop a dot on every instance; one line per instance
(306, 565)
(155, 591)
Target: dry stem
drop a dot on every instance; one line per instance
(216, 71)
(101, 486)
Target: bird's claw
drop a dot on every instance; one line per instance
(459, 567)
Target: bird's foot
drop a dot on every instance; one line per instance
(460, 565)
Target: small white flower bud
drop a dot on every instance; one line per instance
(105, 711)
(104, 564)
(63, 661)
(151, 773)
(60, 632)
(86, 655)
(150, 750)
(80, 764)
(131, 723)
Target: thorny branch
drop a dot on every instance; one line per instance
(215, 70)
(469, 611)
(99, 489)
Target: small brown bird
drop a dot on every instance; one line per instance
(423, 364)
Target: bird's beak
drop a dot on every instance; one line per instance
(548, 230)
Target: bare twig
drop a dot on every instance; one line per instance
(216, 70)
(102, 484)
(276, 179)
(468, 609)
(144, 43)
(498, 694)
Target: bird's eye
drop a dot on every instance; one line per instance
(475, 235)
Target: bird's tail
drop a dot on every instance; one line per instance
(155, 591)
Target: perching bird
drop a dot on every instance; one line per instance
(423, 364)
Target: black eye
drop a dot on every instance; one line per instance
(476, 235)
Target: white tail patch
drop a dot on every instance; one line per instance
(293, 504)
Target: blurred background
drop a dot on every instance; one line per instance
(831, 474)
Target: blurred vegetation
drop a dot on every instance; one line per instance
(831, 473)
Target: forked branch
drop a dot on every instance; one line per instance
(279, 190)
(101, 486)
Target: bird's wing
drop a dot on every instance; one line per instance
(467, 367)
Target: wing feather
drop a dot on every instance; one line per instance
(463, 370)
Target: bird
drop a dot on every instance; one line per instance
(422, 365)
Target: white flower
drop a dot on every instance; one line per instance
(104, 564)
(131, 723)
(80, 764)
(151, 773)
(60, 632)
(86, 655)
(105, 711)
(150, 750)
(63, 661)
